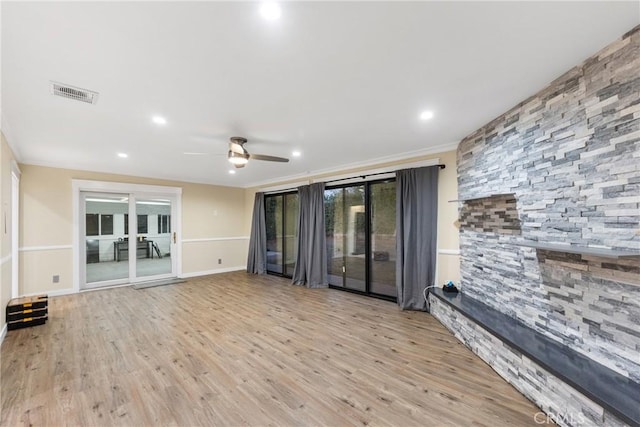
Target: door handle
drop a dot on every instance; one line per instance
(174, 237)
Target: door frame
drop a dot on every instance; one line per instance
(15, 229)
(79, 185)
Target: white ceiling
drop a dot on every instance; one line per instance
(343, 82)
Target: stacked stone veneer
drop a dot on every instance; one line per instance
(570, 155)
(495, 214)
(561, 402)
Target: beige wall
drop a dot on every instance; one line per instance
(6, 158)
(448, 265)
(215, 223)
(209, 214)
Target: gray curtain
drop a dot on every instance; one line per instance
(257, 258)
(311, 257)
(417, 222)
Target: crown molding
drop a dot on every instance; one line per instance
(408, 156)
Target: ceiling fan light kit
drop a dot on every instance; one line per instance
(239, 156)
(238, 159)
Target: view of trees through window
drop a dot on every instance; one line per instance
(360, 226)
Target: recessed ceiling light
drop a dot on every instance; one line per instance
(296, 154)
(270, 11)
(232, 172)
(123, 155)
(159, 120)
(426, 115)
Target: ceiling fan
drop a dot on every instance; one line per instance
(239, 156)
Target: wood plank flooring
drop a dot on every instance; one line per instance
(244, 350)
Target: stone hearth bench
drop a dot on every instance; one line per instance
(571, 388)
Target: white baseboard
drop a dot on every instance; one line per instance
(3, 333)
(216, 271)
(56, 293)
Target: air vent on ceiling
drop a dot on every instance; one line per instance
(75, 93)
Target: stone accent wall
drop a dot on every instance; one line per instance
(571, 156)
(496, 214)
(561, 402)
(592, 308)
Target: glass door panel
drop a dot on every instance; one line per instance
(275, 243)
(345, 227)
(382, 274)
(152, 237)
(281, 219)
(333, 215)
(105, 239)
(354, 240)
(290, 240)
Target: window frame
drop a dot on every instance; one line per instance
(164, 224)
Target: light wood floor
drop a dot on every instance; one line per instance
(237, 349)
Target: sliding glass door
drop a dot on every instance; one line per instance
(127, 238)
(360, 234)
(281, 215)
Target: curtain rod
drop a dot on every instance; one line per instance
(285, 190)
(441, 166)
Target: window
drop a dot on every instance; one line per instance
(92, 226)
(164, 224)
(142, 224)
(106, 225)
(99, 225)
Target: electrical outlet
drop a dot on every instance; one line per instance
(56, 278)
(219, 260)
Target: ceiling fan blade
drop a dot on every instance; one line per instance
(268, 158)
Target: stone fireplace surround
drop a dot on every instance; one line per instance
(549, 216)
(571, 388)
